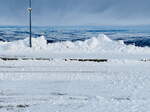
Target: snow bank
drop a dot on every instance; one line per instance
(99, 44)
(38, 43)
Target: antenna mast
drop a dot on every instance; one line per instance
(30, 23)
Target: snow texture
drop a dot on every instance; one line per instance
(60, 86)
(120, 85)
(96, 47)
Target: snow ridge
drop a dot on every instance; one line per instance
(100, 44)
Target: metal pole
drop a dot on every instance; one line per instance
(30, 23)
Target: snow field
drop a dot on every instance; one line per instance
(64, 86)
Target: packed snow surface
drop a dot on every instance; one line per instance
(67, 86)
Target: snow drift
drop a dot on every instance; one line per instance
(97, 45)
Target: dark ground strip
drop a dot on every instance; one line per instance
(50, 59)
(90, 60)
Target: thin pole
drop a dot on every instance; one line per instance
(30, 23)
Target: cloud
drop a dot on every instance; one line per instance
(76, 12)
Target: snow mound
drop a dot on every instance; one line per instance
(37, 44)
(100, 44)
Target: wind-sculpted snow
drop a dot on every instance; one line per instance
(59, 86)
(97, 46)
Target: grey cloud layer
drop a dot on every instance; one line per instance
(76, 12)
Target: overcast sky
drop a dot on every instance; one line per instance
(76, 12)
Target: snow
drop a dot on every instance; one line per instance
(119, 85)
(96, 47)
(62, 86)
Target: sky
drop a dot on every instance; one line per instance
(76, 12)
